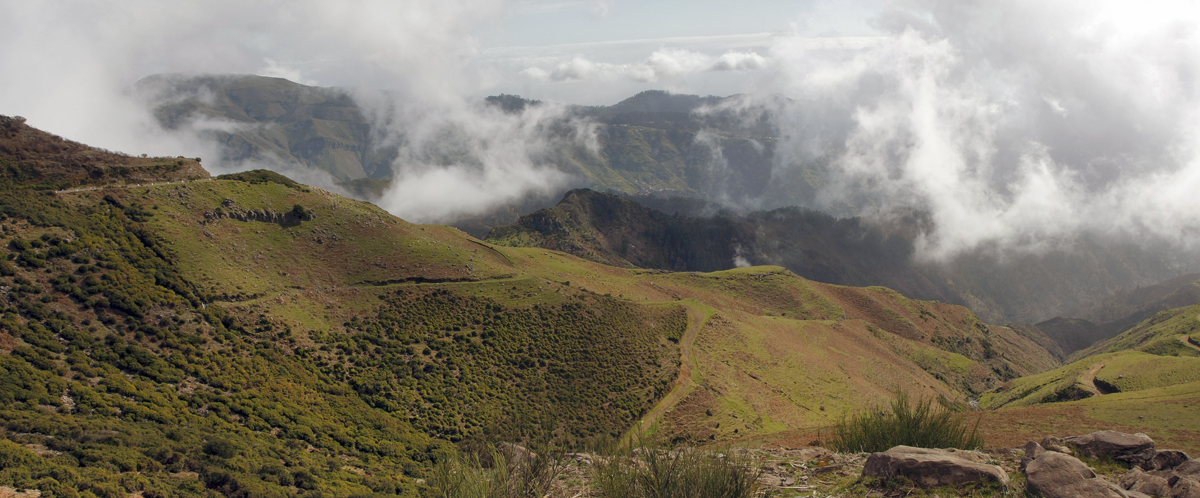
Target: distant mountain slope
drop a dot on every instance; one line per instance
(1120, 312)
(272, 119)
(651, 142)
(847, 251)
(1160, 352)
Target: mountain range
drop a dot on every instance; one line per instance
(170, 333)
(713, 156)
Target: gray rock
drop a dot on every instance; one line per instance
(1190, 468)
(1056, 475)
(1167, 460)
(1185, 488)
(932, 467)
(1132, 448)
(1032, 451)
(1141, 482)
(1135, 494)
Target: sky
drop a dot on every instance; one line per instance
(1016, 124)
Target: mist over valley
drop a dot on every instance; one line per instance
(599, 248)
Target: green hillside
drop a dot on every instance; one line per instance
(1157, 353)
(273, 119)
(250, 336)
(658, 144)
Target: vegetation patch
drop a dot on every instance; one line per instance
(260, 176)
(648, 472)
(1136, 371)
(920, 425)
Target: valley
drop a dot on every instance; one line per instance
(250, 335)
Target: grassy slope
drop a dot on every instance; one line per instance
(1154, 354)
(1149, 375)
(780, 352)
(351, 345)
(1159, 334)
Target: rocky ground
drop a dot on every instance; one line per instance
(1101, 464)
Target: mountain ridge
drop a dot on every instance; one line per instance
(344, 351)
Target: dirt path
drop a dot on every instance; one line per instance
(1187, 340)
(683, 383)
(1089, 379)
(127, 186)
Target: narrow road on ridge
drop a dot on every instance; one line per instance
(1089, 379)
(683, 382)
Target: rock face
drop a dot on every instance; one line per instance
(1190, 468)
(1056, 475)
(1185, 488)
(1135, 449)
(932, 467)
(1167, 460)
(1142, 482)
(1032, 451)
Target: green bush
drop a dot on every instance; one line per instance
(680, 473)
(921, 425)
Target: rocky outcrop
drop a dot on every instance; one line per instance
(1134, 449)
(1143, 482)
(933, 467)
(1057, 475)
(1185, 488)
(290, 218)
(1166, 460)
(1032, 451)
(1167, 473)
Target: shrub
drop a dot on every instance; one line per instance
(680, 473)
(514, 473)
(921, 425)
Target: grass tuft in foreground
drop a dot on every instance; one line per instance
(681, 473)
(507, 472)
(921, 425)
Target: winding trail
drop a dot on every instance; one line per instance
(129, 186)
(1187, 340)
(1088, 379)
(683, 382)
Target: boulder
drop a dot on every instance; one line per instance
(1185, 488)
(1134, 449)
(1056, 475)
(1167, 460)
(933, 467)
(1051, 443)
(1032, 451)
(1190, 468)
(1139, 481)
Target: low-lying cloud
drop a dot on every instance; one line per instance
(1015, 124)
(662, 64)
(410, 63)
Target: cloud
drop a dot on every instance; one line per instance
(601, 9)
(276, 70)
(1015, 124)
(739, 61)
(662, 64)
(412, 63)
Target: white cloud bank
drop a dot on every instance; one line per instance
(662, 64)
(1017, 124)
(410, 61)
